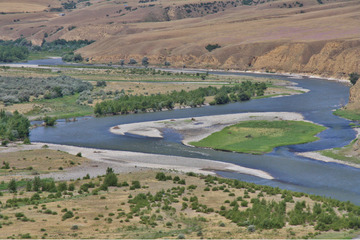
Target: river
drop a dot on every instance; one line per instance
(289, 170)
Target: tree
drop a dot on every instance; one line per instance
(145, 61)
(12, 185)
(221, 98)
(211, 47)
(36, 184)
(353, 77)
(110, 178)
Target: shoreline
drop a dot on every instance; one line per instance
(126, 161)
(319, 157)
(289, 74)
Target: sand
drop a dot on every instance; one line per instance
(319, 157)
(125, 162)
(195, 129)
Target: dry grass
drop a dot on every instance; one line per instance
(34, 162)
(91, 213)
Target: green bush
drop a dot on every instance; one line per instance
(353, 77)
(211, 47)
(68, 214)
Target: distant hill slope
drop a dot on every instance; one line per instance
(303, 36)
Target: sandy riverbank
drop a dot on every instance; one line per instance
(124, 162)
(195, 129)
(319, 157)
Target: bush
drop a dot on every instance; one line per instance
(251, 228)
(211, 47)
(49, 121)
(160, 176)
(181, 236)
(74, 227)
(353, 77)
(132, 61)
(68, 214)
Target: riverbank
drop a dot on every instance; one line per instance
(319, 157)
(195, 129)
(347, 153)
(125, 162)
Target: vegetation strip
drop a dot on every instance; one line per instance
(225, 94)
(259, 137)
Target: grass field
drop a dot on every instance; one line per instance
(258, 137)
(65, 107)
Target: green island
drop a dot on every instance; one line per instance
(258, 137)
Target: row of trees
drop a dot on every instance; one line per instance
(128, 103)
(19, 49)
(13, 126)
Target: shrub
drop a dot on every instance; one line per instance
(353, 77)
(160, 176)
(181, 236)
(49, 121)
(251, 228)
(68, 214)
(132, 61)
(12, 185)
(211, 47)
(74, 227)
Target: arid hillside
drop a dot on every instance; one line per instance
(304, 36)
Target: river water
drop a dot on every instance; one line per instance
(289, 170)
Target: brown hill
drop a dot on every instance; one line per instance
(304, 36)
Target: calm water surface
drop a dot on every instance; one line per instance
(290, 171)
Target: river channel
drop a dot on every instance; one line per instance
(289, 170)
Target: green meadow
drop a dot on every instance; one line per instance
(258, 137)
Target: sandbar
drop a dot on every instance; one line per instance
(125, 162)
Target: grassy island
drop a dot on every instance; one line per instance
(258, 137)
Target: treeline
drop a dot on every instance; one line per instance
(13, 54)
(19, 89)
(19, 49)
(128, 103)
(62, 44)
(13, 127)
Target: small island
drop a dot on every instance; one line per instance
(258, 137)
(255, 133)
